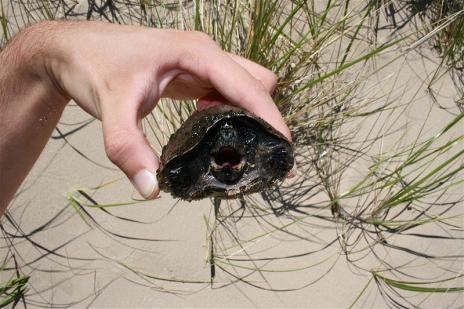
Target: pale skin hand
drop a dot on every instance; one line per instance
(117, 74)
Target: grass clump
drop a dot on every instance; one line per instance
(13, 290)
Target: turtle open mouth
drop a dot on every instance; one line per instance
(227, 164)
(227, 156)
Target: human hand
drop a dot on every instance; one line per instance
(118, 74)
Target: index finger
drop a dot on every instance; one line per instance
(233, 82)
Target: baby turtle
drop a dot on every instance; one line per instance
(225, 152)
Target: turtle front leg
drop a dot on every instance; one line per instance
(217, 203)
(212, 264)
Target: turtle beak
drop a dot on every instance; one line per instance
(228, 165)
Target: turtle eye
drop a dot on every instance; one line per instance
(249, 137)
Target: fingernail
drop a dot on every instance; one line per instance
(145, 182)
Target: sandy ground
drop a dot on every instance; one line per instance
(64, 279)
(86, 264)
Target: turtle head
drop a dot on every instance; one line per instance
(228, 160)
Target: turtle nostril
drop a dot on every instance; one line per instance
(227, 156)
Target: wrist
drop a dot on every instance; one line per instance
(28, 59)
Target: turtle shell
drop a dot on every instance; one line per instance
(223, 151)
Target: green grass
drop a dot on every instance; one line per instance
(13, 290)
(420, 286)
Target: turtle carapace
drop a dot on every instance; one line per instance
(223, 151)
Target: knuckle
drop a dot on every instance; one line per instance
(117, 146)
(273, 77)
(201, 41)
(201, 37)
(267, 78)
(194, 48)
(257, 90)
(191, 60)
(271, 80)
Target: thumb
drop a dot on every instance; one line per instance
(127, 147)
